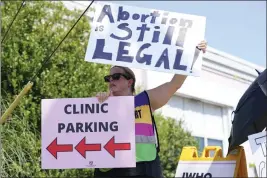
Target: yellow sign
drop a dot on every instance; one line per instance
(191, 165)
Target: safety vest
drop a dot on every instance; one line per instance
(145, 136)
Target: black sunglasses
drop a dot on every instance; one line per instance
(116, 76)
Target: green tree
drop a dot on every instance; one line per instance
(38, 29)
(172, 138)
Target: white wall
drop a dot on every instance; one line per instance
(202, 119)
(205, 103)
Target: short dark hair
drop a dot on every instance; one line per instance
(130, 73)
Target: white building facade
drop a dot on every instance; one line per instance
(205, 103)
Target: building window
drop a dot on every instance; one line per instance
(201, 145)
(213, 142)
(210, 142)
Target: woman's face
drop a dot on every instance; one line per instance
(120, 85)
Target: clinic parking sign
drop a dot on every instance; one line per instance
(83, 133)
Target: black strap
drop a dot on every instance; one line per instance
(154, 124)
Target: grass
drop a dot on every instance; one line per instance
(18, 143)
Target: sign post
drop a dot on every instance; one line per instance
(83, 133)
(146, 39)
(258, 145)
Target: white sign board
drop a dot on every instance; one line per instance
(207, 169)
(82, 133)
(258, 147)
(146, 39)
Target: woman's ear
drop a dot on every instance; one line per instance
(130, 82)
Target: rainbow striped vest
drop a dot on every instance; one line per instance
(145, 138)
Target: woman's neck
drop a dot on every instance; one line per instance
(123, 93)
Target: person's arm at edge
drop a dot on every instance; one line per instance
(160, 95)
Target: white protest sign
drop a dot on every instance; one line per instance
(205, 169)
(82, 133)
(146, 39)
(258, 147)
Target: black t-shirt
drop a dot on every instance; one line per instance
(146, 168)
(149, 169)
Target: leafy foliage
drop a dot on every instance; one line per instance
(38, 29)
(172, 138)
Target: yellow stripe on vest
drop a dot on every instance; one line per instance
(142, 114)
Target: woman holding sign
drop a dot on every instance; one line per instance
(122, 83)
